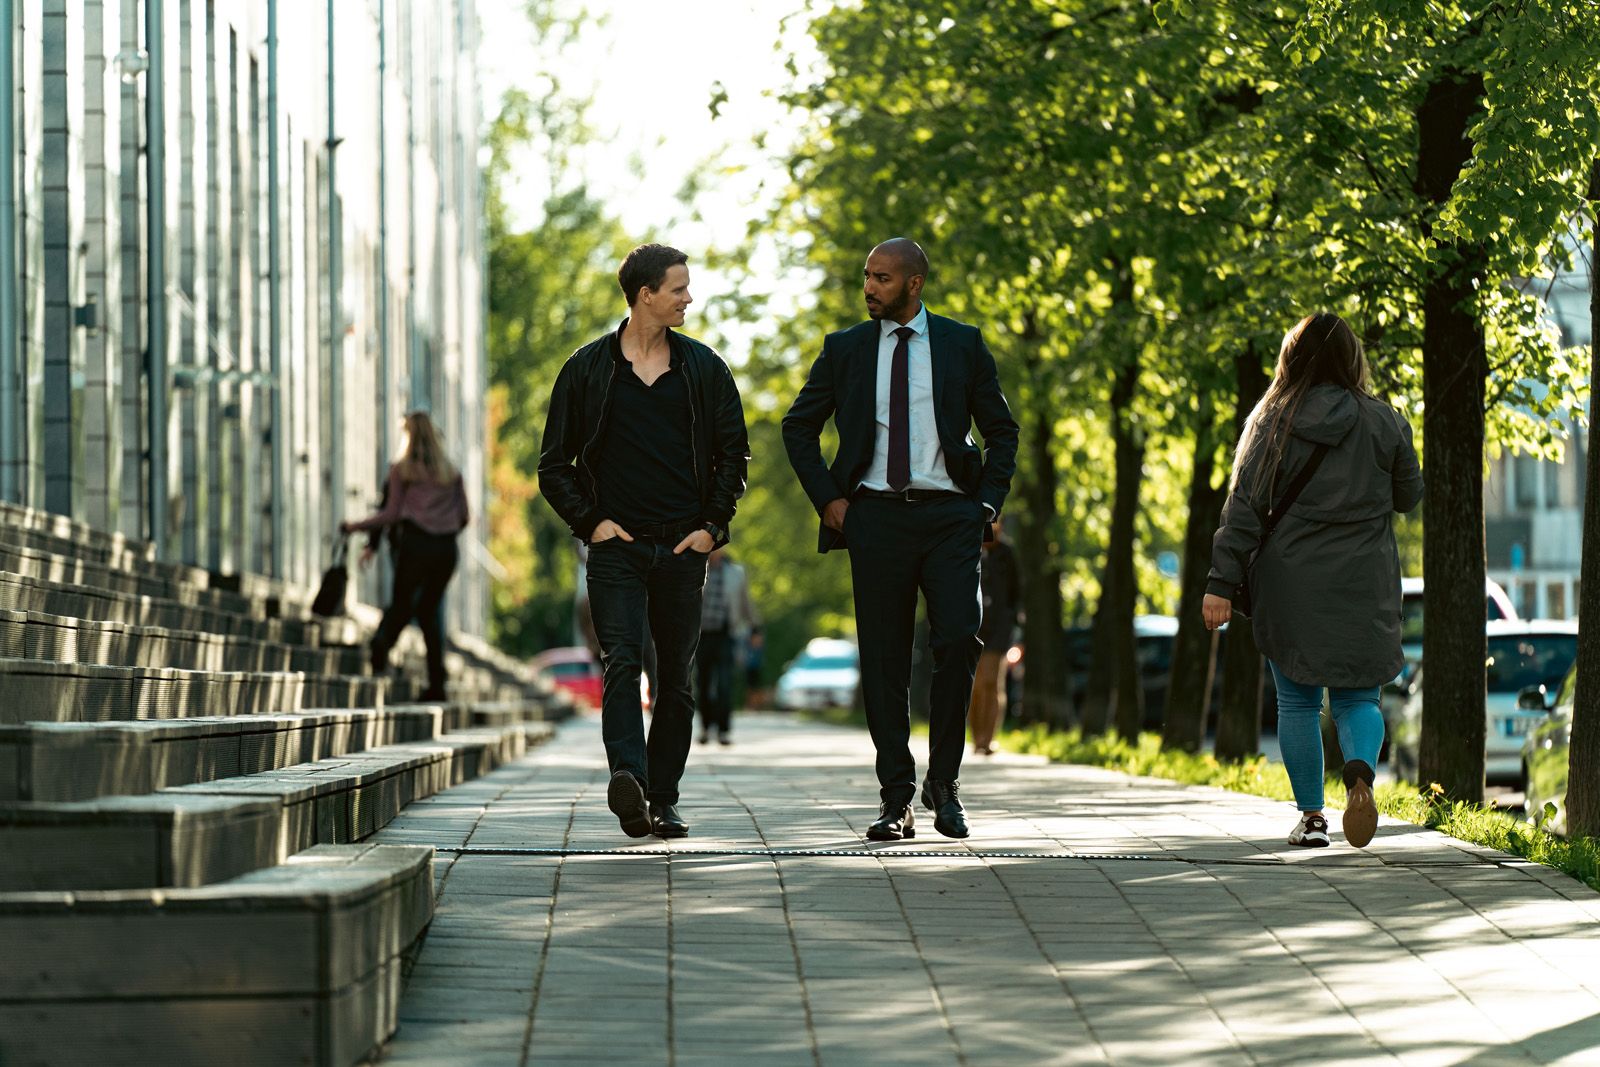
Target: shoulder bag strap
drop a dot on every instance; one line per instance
(1290, 495)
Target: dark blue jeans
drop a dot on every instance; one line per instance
(630, 582)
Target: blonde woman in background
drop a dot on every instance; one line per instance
(1322, 569)
(426, 504)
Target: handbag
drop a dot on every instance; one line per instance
(330, 594)
(1243, 599)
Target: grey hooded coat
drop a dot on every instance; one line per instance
(1327, 585)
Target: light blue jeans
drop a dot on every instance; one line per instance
(1355, 715)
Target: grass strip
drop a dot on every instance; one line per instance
(1578, 857)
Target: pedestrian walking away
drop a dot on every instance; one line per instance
(1001, 587)
(727, 619)
(1308, 542)
(911, 497)
(644, 457)
(424, 508)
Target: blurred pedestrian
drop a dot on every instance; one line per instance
(425, 508)
(644, 457)
(755, 693)
(1001, 589)
(727, 618)
(1307, 543)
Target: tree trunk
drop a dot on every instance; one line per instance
(1127, 694)
(1114, 666)
(1239, 718)
(1454, 369)
(1096, 710)
(1583, 755)
(1189, 685)
(1239, 715)
(1045, 681)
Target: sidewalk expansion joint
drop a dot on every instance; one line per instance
(947, 854)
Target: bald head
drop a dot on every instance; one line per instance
(893, 279)
(906, 252)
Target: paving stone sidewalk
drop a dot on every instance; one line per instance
(1091, 918)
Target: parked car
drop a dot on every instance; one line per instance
(1496, 605)
(825, 675)
(576, 670)
(1154, 636)
(573, 669)
(1546, 749)
(1520, 655)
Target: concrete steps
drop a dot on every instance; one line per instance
(211, 831)
(294, 964)
(36, 635)
(189, 763)
(82, 761)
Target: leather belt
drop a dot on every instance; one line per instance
(911, 496)
(658, 532)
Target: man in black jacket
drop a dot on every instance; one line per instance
(911, 497)
(644, 457)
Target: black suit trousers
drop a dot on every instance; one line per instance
(896, 548)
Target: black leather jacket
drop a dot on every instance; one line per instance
(581, 402)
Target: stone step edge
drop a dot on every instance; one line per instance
(144, 631)
(199, 833)
(74, 761)
(217, 618)
(317, 889)
(88, 572)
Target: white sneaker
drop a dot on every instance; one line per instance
(1310, 832)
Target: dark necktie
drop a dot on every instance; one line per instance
(900, 411)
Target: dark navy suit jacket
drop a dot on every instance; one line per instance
(844, 384)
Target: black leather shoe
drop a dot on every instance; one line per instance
(895, 821)
(625, 798)
(942, 797)
(666, 822)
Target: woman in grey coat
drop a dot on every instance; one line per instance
(1326, 584)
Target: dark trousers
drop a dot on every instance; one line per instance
(714, 665)
(896, 548)
(424, 563)
(630, 582)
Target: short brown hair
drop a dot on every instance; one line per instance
(646, 267)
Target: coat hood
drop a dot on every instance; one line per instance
(1326, 415)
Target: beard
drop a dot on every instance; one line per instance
(894, 307)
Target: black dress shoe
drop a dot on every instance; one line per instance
(625, 798)
(666, 822)
(895, 821)
(942, 797)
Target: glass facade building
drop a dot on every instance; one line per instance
(239, 239)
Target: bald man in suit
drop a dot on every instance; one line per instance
(912, 498)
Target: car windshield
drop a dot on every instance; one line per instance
(826, 663)
(1529, 659)
(1411, 615)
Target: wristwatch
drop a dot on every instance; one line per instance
(718, 534)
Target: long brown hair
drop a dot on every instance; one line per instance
(424, 460)
(1321, 348)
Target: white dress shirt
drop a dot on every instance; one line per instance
(927, 453)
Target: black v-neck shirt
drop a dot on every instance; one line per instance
(645, 473)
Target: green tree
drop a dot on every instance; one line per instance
(551, 288)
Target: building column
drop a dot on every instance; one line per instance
(101, 430)
(63, 75)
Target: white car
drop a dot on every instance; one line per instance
(1520, 655)
(1496, 605)
(825, 675)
